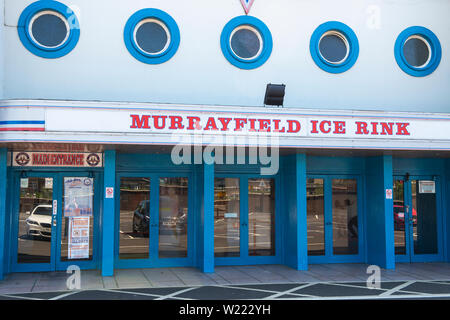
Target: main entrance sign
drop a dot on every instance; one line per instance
(55, 159)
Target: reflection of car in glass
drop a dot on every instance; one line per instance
(141, 218)
(399, 216)
(39, 223)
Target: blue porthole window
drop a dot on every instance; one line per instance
(152, 36)
(48, 29)
(334, 47)
(246, 42)
(418, 51)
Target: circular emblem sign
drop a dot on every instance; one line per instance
(93, 159)
(22, 159)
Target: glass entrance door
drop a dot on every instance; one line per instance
(154, 222)
(416, 219)
(54, 222)
(245, 220)
(334, 227)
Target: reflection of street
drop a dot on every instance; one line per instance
(260, 234)
(136, 244)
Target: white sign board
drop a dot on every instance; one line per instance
(427, 187)
(78, 238)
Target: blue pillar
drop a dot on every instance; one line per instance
(446, 198)
(380, 212)
(3, 183)
(294, 184)
(108, 214)
(205, 185)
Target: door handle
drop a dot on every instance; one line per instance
(55, 212)
(244, 224)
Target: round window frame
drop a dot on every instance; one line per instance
(258, 35)
(164, 20)
(434, 47)
(347, 34)
(262, 32)
(60, 10)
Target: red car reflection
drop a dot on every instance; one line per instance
(399, 217)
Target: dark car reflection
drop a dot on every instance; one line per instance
(175, 222)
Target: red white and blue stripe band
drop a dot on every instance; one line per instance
(22, 125)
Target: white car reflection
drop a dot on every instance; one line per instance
(39, 223)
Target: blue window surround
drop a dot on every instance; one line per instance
(436, 51)
(265, 35)
(134, 49)
(34, 47)
(352, 42)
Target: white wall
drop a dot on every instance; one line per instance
(100, 67)
(2, 73)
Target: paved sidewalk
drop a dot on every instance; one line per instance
(318, 279)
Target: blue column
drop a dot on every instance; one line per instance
(446, 198)
(108, 214)
(206, 262)
(3, 182)
(380, 212)
(294, 184)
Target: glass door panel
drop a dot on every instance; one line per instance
(423, 217)
(261, 217)
(173, 217)
(35, 220)
(400, 214)
(134, 218)
(316, 217)
(345, 216)
(226, 217)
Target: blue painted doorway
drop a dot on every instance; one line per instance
(417, 219)
(54, 221)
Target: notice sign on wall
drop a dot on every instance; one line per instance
(78, 196)
(78, 238)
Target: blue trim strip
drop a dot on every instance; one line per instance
(3, 197)
(21, 122)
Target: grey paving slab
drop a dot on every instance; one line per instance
(109, 282)
(13, 290)
(160, 284)
(164, 274)
(231, 273)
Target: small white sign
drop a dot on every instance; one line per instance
(24, 183)
(230, 215)
(427, 187)
(388, 194)
(48, 183)
(109, 193)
